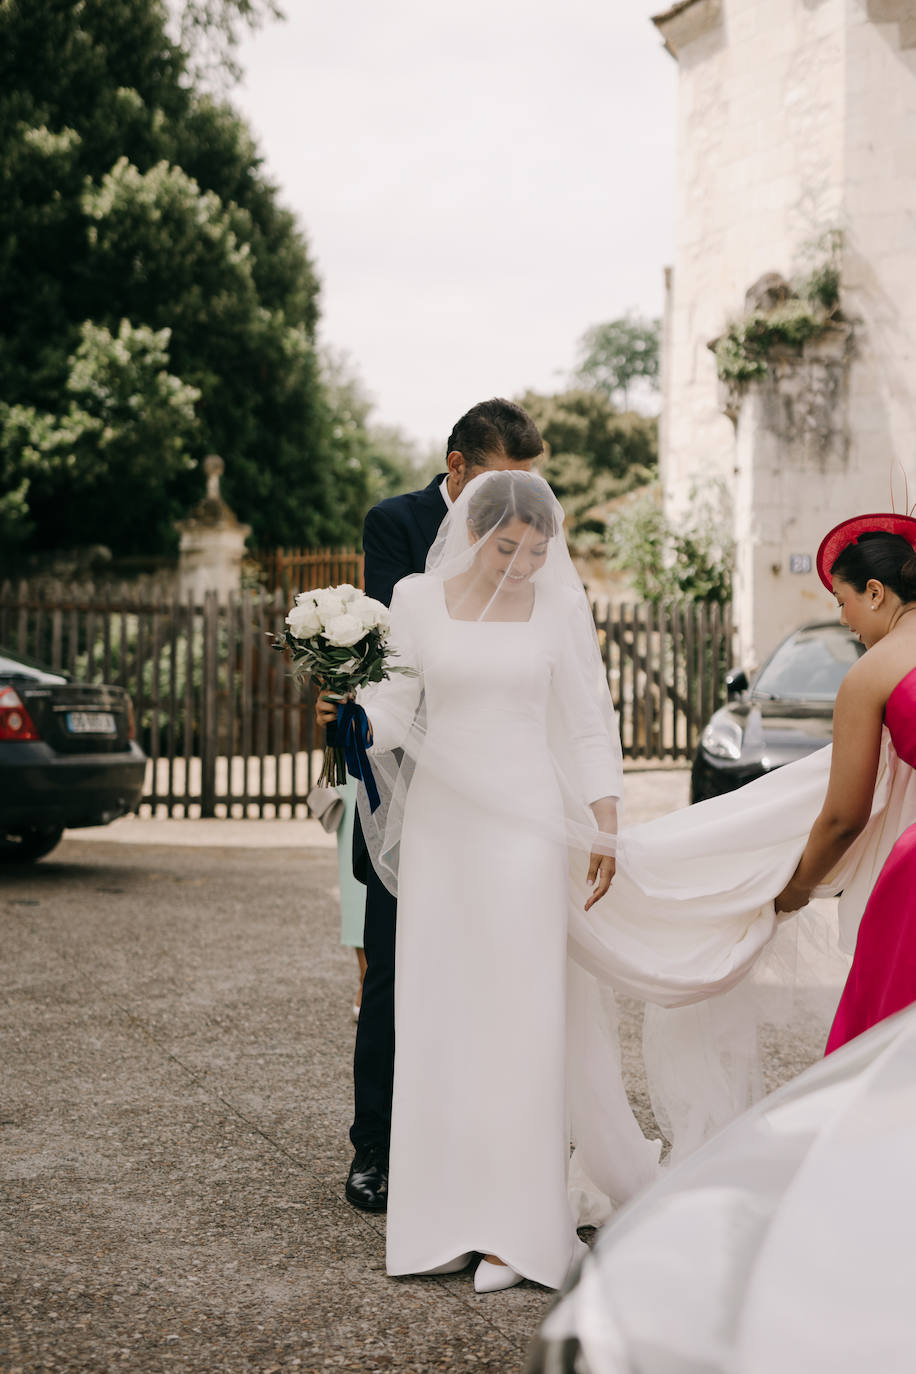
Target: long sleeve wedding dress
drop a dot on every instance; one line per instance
(480, 1137)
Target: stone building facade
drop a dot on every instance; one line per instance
(796, 118)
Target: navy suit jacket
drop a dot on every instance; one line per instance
(397, 536)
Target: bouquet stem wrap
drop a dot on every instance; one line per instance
(353, 728)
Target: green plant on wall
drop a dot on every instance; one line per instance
(743, 351)
(821, 284)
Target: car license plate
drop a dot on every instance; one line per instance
(91, 723)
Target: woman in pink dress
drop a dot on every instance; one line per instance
(869, 563)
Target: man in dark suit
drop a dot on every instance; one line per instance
(397, 536)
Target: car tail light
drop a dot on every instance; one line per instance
(15, 721)
(131, 720)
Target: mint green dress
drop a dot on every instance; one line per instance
(352, 893)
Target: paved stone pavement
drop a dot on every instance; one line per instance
(176, 1045)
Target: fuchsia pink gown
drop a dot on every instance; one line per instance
(882, 979)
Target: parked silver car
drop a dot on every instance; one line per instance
(785, 713)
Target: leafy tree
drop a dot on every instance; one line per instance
(688, 560)
(382, 459)
(132, 201)
(595, 453)
(210, 31)
(399, 463)
(127, 425)
(616, 354)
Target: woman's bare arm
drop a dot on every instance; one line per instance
(858, 718)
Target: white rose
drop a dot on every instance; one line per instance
(328, 604)
(346, 592)
(303, 620)
(344, 630)
(372, 613)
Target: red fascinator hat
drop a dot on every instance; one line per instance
(848, 532)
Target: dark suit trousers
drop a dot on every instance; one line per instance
(373, 1059)
(396, 538)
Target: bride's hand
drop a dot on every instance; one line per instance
(601, 869)
(326, 708)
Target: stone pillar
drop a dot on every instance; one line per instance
(212, 543)
(792, 456)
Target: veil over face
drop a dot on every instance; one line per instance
(502, 538)
(500, 558)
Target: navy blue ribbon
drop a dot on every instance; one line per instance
(353, 734)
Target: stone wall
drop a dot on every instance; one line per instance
(880, 267)
(795, 117)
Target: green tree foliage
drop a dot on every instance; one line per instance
(210, 31)
(145, 266)
(690, 560)
(382, 460)
(616, 354)
(127, 426)
(595, 453)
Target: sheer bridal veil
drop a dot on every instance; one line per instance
(500, 558)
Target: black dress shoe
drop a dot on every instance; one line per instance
(367, 1181)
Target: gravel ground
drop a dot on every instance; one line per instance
(176, 1047)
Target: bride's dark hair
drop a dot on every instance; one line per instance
(505, 496)
(888, 558)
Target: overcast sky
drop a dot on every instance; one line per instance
(479, 183)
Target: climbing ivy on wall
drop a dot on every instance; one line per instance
(743, 351)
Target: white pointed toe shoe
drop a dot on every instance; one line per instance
(454, 1266)
(490, 1278)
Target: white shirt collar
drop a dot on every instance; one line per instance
(443, 487)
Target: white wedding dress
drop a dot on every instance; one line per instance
(480, 1133)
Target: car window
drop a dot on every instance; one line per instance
(17, 667)
(810, 665)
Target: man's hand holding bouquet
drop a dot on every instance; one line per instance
(338, 637)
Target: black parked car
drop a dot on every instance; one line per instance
(67, 757)
(785, 713)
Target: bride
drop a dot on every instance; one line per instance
(499, 765)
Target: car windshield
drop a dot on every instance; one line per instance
(24, 667)
(810, 665)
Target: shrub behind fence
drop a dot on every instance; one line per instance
(230, 732)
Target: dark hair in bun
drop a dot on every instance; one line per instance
(888, 558)
(506, 496)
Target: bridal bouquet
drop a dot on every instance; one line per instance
(338, 637)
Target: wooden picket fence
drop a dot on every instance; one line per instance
(301, 570)
(666, 667)
(229, 731)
